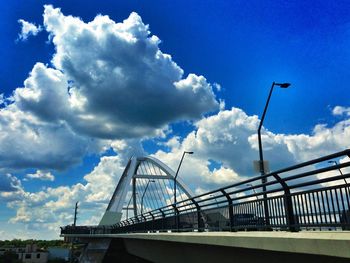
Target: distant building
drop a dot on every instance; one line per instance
(29, 254)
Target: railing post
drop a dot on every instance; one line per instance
(288, 204)
(145, 222)
(163, 217)
(152, 220)
(230, 210)
(199, 215)
(176, 218)
(123, 225)
(132, 227)
(289, 210)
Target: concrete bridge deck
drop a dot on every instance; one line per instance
(330, 246)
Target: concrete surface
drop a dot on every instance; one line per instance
(319, 243)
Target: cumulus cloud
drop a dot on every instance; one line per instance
(229, 139)
(28, 29)
(324, 140)
(108, 81)
(45, 93)
(224, 146)
(111, 86)
(41, 175)
(123, 85)
(54, 207)
(104, 176)
(128, 148)
(28, 142)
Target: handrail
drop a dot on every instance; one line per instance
(236, 209)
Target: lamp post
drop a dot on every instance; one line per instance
(341, 173)
(346, 183)
(144, 192)
(74, 224)
(216, 200)
(176, 174)
(127, 208)
(261, 157)
(253, 189)
(75, 213)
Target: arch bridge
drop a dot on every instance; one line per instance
(309, 195)
(146, 185)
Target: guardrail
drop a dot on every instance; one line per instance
(310, 195)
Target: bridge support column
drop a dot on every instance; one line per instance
(95, 250)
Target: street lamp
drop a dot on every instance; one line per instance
(341, 173)
(127, 208)
(216, 200)
(253, 189)
(144, 192)
(177, 173)
(261, 157)
(75, 213)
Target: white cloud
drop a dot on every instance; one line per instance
(41, 175)
(28, 29)
(123, 85)
(128, 148)
(339, 110)
(224, 176)
(220, 138)
(109, 81)
(104, 176)
(27, 141)
(54, 207)
(224, 146)
(229, 138)
(45, 94)
(324, 140)
(173, 142)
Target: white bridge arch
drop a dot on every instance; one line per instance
(142, 174)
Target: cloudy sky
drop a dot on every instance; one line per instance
(85, 85)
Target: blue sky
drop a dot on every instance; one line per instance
(79, 97)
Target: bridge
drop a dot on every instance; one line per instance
(300, 212)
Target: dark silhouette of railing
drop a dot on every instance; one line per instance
(310, 195)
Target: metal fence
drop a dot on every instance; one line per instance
(308, 196)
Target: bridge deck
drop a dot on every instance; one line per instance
(332, 243)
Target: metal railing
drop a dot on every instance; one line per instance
(310, 195)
